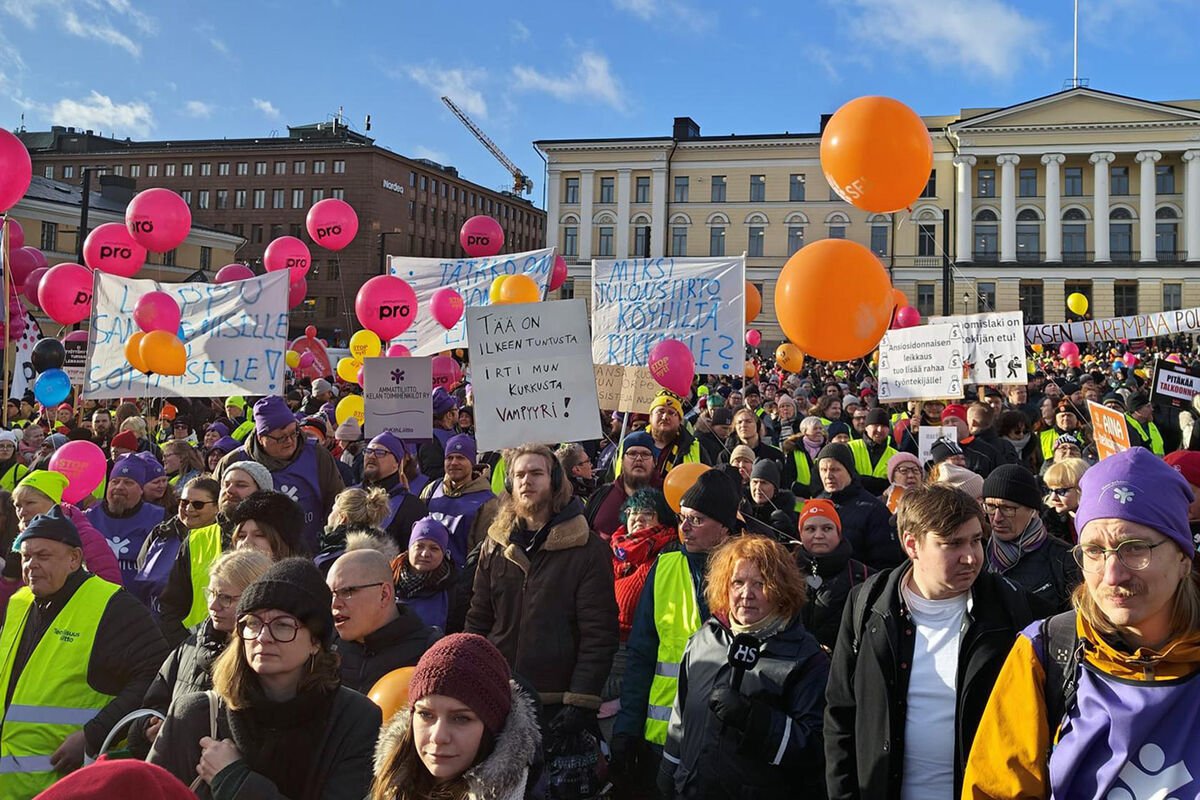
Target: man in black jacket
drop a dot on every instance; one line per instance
(865, 519)
(917, 654)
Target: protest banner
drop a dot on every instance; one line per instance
(993, 347)
(235, 334)
(531, 377)
(1108, 430)
(1173, 385)
(76, 364)
(928, 434)
(1113, 329)
(921, 363)
(638, 302)
(23, 375)
(397, 397)
(625, 388)
(471, 278)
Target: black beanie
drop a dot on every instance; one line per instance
(767, 470)
(53, 525)
(878, 416)
(715, 496)
(841, 453)
(1014, 483)
(943, 448)
(295, 586)
(278, 510)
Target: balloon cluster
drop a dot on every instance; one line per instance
(52, 385)
(507, 289)
(363, 344)
(156, 348)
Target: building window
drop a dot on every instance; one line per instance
(570, 241)
(168, 258)
(48, 172)
(297, 198)
(679, 240)
(641, 241)
(222, 199)
(339, 167)
(986, 243)
(49, 237)
(796, 188)
(1030, 299)
(718, 188)
(298, 167)
(152, 170)
(567, 290)
(1074, 236)
(1125, 298)
(186, 194)
(260, 168)
(238, 229)
(1120, 234)
(135, 170)
(757, 235)
(758, 188)
(187, 170)
(319, 194)
(604, 244)
(119, 169)
(987, 296)
(335, 270)
(606, 190)
(1118, 180)
(205, 169)
(985, 183)
(243, 168)
(879, 240)
(1164, 179)
(716, 241)
(930, 189)
(1073, 181)
(681, 188)
(205, 257)
(837, 231)
(925, 299)
(260, 198)
(642, 189)
(277, 198)
(223, 168)
(68, 172)
(1027, 182)
(1166, 234)
(834, 197)
(1172, 296)
(318, 168)
(276, 230)
(297, 230)
(926, 240)
(337, 193)
(170, 171)
(256, 234)
(239, 198)
(570, 192)
(795, 238)
(202, 199)
(1081, 287)
(1029, 236)
(435, 186)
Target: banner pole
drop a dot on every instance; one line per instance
(8, 318)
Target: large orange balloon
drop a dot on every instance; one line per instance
(519, 289)
(751, 370)
(133, 351)
(790, 357)
(834, 300)
(679, 480)
(876, 153)
(390, 692)
(900, 298)
(753, 302)
(163, 353)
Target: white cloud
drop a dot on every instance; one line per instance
(267, 108)
(521, 32)
(459, 85)
(88, 19)
(674, 12)
(100, 31)
(219, 46)
(98, 111)
(981, 36)
(823, 57)
(590, 80)
(143, 22)
(199, 109)
(421, 151)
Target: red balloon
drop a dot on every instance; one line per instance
(558, 274)
(1068, 350)
(481, 236)
(386, 305)
(233, 272)
(297, 291)
(76, 336)
(32, 283)
(109, 248)
(907, 317)
(16, 235)
(332, 223)
(66, 293)
(38, 256)
(21, 263)
(311, 331)
(16, 170)
(287, 252)
(158, 219)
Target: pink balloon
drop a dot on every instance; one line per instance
(362, 377)
(157, 311)
(76, 336)
(16, 317)
(32, 283)
(386, 305)
(21, 263)
(16, 170)
(446, 305)
(1174, 358)
(16, 235)
(481, 236)
(297, 291)
(310, 331)
(1130, 359)
(306, 360)
(66, 293)
(233, 272)
(558, 274)
(753, 338)
(672, 365)
(398, 351)
(158, 219)
(83, 464)
(287, 252)
(38, 256)
(332, 223)
(1068, 349)
(907, 317)
(446, 372)
(109, 248)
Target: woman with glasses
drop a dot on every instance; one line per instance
(1062, 498)
(11, 467)
(197, 508)
(285, 727)
(904, 472)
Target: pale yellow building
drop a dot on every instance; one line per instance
(1095, 164)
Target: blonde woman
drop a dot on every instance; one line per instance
(356, 511)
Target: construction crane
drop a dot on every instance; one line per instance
(521, 182)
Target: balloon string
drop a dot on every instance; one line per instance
(940, 252)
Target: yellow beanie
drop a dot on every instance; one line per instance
(665, 398)
(51, 484)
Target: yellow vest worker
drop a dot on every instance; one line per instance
(1143, 434)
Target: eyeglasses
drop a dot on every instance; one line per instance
(378, 452)
(1063, 492)
(638, 456)
(1134, 554)
(908, 470)
(691, 521)
(283, 629)
(281, 438)
(346, 592)
(196, 505)
(1008, 512)
(220, 599)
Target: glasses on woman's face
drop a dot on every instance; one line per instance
(283, 629)
(1133, 554)
(195, 505)
(1063, 492)
(220, 599)
(908, 470)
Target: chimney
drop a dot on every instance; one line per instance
(685, 128)
(825, 121)
(118, 188)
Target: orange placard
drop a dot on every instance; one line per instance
(1109, 429)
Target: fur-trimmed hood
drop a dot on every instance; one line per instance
(503, 775)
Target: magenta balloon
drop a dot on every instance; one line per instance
(297, 291)
(672, 365)
(83, 464)
(907, 317)
(66, 293)
(332, 223)
(38, 256)
(21, 263)
(158, 219)
(76, 336)
(233, 272)
(446, 372)
(157, 311)
(1068, 349)
(558, 274)
(306, 360)
(386, 305)
(447, 307)
(16, 170)
(16, 316)
(33, 282)
(753, 338)
(398, 351)
(109, 248)
(1130, 359)
(16, 235)
(481, 236)
(287, 252)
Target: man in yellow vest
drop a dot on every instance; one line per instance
(669, 611)
(871, 453)
(77, 653)
(673, 442)
(1142, 430)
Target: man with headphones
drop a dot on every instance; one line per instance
(543, 591)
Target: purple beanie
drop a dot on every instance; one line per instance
(154, 470)
(272, 414)
(389, 440)
(220, 427)
(443, 401)
(132, 467)
(1138, 486)
(463, 444)
(429, 528)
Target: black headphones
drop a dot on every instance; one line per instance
(556, 475)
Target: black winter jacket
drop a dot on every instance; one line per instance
(865, 524)
(1049, 573)
(399, 643)
(829, 579)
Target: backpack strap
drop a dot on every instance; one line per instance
(1062, 652)
(862, 600)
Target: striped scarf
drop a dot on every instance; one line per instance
(1002, 556)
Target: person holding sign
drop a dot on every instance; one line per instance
(1142, 430)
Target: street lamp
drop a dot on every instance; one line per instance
(966, 301)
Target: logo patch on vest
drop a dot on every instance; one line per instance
(66, 636)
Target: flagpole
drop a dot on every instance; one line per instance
(8, 322)
(1075, 74)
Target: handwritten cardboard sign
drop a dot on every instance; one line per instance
(625, 388)
(921, 363)
(397, 397)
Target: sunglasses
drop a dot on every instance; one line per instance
(1062, 492)
(196, 505)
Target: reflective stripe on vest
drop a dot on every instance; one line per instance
(52, 698)
(676, 618)
(803, 474)
(204, 547)
(1155, 438)
(862, 460)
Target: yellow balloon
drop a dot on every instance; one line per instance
(494, 291)
(1077, 303)
(1037, 348)
(350, 406)
(365, 344)
(292, 359)
(347, 369)
(519, 289)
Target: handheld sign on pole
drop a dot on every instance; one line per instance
(743, 655)
(928, 434)
(921, 363)
(397, 396)
(993, 347)
(1173, 385)
(1109, 430)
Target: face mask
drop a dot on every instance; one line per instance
(1020, 443)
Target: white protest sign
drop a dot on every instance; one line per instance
(235, 334)
(396, 397)
(993, 346)
(928, 434)
(921, 363)
(532, 377)
(471, 278)
(638, 302)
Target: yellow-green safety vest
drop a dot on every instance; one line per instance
(1156, 440)
(242, 431)
(1047, 438)
(204, 547)
(676, 618)
(498, 473)
(14, 475)
(803, 474)
(862, 459)
(692, 456)
(52, 698)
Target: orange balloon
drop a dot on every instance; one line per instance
(790, 357)
(834, 300)
(519, 289)
(390, 692)
(679, 480)
(163, 353)
(876, 153)
(751, 370)
(900, 298)
(753, 302)
(133, 353)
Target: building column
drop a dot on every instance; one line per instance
(1191, 204)
(1146, 198)
(1104, 301)
(553, 193)
(658, 211)
(1008, 206)
(1100, 205)
(623, 213)
(963, 236)
(587, 196)
(1054, 299)
(1053, 206)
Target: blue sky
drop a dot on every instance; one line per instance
(530, 69)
